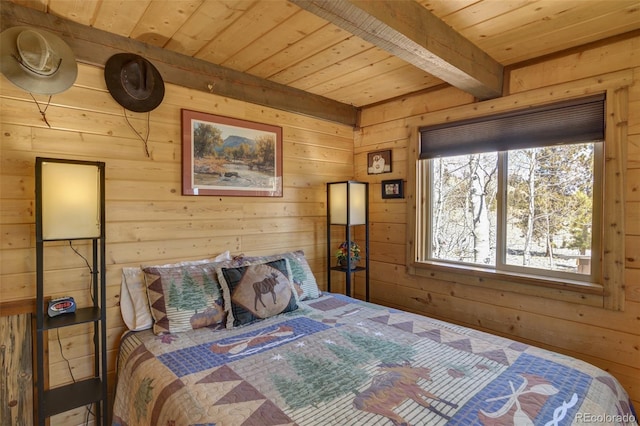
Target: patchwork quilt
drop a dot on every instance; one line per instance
(341, 361)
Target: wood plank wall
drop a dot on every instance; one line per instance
(608, 339)
(148, 220)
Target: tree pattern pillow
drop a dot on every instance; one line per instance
(184, 297)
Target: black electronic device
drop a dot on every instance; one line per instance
(61, 305)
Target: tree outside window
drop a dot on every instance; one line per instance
(547, 204)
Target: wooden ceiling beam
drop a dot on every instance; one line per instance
(94, 46)
(409, 31)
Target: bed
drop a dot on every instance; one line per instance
(328, 359)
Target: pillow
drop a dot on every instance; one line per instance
(257, 291)
(134, 302)
(302, 276)
(184, 297)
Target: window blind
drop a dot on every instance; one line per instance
(576, 121)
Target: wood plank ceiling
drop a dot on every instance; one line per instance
(338, 55)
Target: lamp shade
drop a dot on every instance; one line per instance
(347, 199)
(70, 200)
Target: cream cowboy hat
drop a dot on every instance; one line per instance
(36, 60)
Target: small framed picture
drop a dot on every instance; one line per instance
(393, 188)
(379, 162)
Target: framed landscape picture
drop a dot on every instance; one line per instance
(229, 156)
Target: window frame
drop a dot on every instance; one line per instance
(607, 288)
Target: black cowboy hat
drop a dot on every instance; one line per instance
(134, 82)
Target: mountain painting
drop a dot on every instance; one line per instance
(227, 156)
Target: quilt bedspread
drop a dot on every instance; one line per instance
(340, 361)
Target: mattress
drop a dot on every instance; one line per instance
(342, 361)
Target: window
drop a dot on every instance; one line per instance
(519, 194)
(539, 221)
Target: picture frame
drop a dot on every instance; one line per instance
(379, 162)
(393, 188)
(229, 156)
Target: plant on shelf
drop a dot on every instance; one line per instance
(342, 253)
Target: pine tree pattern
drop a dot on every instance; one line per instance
(376, 348)
(298, 273)
(143, 397)
(193, 297)
(324, 379)
(210, 285)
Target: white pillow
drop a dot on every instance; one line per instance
(134, 302)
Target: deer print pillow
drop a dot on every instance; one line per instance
(301, 275)
(257, 291)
